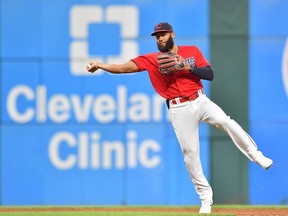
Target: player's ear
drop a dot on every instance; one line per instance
(172, 35)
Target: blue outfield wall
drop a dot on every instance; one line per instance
(69, 137)
(268, 84)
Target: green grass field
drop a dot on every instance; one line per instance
(221, 210)
(102, 214)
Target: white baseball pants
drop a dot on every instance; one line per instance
(185, 118)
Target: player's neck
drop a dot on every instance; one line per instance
(174, 49)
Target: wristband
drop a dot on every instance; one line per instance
(192, 66)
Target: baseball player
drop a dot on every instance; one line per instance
(175, 73)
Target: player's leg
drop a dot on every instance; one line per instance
(186, 126)
(214, 115)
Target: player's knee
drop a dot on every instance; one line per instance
(223, 122)
(190, 155)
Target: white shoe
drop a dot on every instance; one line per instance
(205, 209)
(263, 161)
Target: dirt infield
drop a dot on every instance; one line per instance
(241, 211)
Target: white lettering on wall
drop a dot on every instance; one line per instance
(53, 151)
(114, 154)
(12, 106)
(104, 108)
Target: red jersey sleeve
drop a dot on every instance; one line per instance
(145, 62)
(201, 61)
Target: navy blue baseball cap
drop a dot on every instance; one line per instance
(162, 27)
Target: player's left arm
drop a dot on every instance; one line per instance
(205, 73)
(200, 66)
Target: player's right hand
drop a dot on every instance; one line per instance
(92, 67)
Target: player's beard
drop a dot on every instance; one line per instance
(169, 45)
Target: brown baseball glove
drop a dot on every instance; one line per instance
(169, 63)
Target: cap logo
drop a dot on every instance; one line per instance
(159, 26)
(162, 27)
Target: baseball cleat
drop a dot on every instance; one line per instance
(263, 161)
(205, 209)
